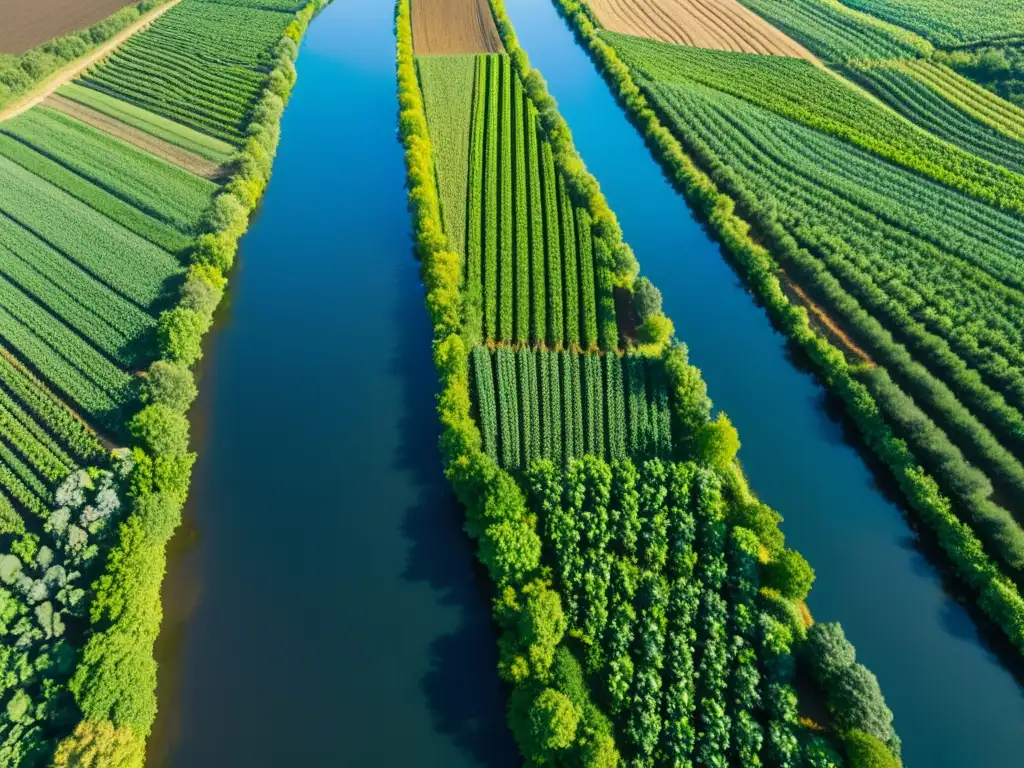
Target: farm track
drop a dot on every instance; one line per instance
(75, 68)
(182, 158)
(723, 25)
(454, 26)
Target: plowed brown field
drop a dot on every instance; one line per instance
(724, 25)
(25, 24)
(454, 26)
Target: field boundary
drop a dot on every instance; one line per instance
(69, 72)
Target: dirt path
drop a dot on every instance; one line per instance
(825, 323)
(190, 161)
(75, 68)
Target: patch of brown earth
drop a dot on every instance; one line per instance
(454, 26)
(25, 24)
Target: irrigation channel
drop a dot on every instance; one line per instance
(955, 704)
(322, 606)
(321, 603)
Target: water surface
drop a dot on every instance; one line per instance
(955, 704)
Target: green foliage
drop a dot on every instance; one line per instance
(718, 442)
(790, 574)
(866, 751)
(100, 745)
(968, 22)
(837, 33)
(180, 334)
(828, 652)
(160, 430)
(169, 384)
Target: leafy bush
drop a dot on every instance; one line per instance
(169, 384)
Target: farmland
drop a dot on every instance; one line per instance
(723, 25)
(634, 599)
(112, 261)
(454, 26)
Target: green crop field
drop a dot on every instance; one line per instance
(200, 64)
(531, 269)
(836, 33)
(111, 264)
(950, 23)
(925, 104)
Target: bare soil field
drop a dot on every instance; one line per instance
(25, 24)
(191, 162)
(723, 25)
(454, 26)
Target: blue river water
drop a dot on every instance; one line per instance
(955, 704)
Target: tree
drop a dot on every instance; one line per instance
(99, 745)
(542, 723)
(160, 430)
(170, 384)
(856, 701)
(656, 329)
(718, 442)
(598, 751)
(180, 333)
(790, 573)
(646, 298)
(865, 751)
(828, 651)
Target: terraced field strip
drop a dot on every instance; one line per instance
(190, 161)
(75, 68)
(454, 26)
(723, 25)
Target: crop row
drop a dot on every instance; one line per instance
(114, 208)
(530, 258)
(559, 405)
(809, 95)
(972, 422)
(200, 64)
(920, 103)
(946, 23)
(837, 33)
(86, 237)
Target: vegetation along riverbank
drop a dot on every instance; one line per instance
(114, 259)
(647, 606)
(936, 313)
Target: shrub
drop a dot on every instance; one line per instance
(180, 333)
(544, 723)
(646, 298)
(656, 329)
(227, 214)
(170, 384)
(790, 574)
(856, 701)
(718, 443)
(200, 292)
(828, 652)
(100, 745)
(866, 751)
(216, 250)
(160, 430)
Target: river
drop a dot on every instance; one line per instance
(322, 603)
(322, 606)
(955, 704)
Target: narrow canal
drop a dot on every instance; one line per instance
(321, 603)
(955, 705)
